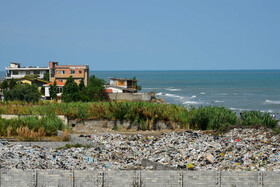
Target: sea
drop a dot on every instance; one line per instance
(238, 90)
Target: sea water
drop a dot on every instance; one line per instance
(237, 90)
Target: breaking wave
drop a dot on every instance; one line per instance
(272, 102)
(151, 88)
(173, 95)
(160, 93)
(173, 89)
(217, 101)
(192, 102)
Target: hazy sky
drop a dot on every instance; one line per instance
(143, 34)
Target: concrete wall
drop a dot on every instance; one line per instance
(88, 125)
(11, 116)
(131, 96)
(77, 178)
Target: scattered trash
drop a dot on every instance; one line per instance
(239, 149)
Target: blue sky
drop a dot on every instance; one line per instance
(142, 35)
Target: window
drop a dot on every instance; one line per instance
(72, 72)
(80, 71)
(61, 72)
(60, 80)
(15, 72)
(36, 72)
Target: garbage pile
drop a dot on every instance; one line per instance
(239, 149)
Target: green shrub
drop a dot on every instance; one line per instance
(22, 92)
(212, 118)
(51, 123)
(250, 118)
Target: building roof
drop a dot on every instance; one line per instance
(113, 78)
(58, 83)
(35, 79)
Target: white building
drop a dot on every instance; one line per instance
(119, 85)
(16, 71)
(59, 86)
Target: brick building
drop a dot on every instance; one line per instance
(62, 72)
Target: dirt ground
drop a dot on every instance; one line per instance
(101, 131)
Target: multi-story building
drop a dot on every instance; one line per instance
(16, 71)
(62, 72)
(59, 72)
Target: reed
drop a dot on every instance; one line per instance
(143, 113)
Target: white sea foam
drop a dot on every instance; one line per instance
(270, 111)
(217, 101)
(272, 102)
(194, 96)
(202, 93)
(222, 94)
(239, 109)
(193, 102)
(150, 88)
(174, 95)
(173, 89)
(160, 93)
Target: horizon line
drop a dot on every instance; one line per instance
(196, 70)
(190, 70)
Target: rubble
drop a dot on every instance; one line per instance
(239, 149)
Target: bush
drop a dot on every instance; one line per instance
(250, 118)
(212, 118)
(70, 92)
(23, 92)
(49, 124)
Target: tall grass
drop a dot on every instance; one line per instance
(250, 118)
(18, 126)
(212, 118)
(143, 113)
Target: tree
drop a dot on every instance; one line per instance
(5, 85)
(42, 90)
(138, 88)
(83, 91)
(23, 92)
(46, 76)
(53, 90)
(70, 92)
(95, 89)
(12, 83)
(82, 85)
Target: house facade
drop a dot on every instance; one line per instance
(59, 72)
(59, 86)
(31, 81)
(62, 72)
(15, 71)
(119, 85)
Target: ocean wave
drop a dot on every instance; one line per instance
(173, 95)
(222, 94)
(239, 109)
(202, 93)
(150, 88)
(160, 93)
(173, 89)
(217, 101)
(272, 102)
(193, 102)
